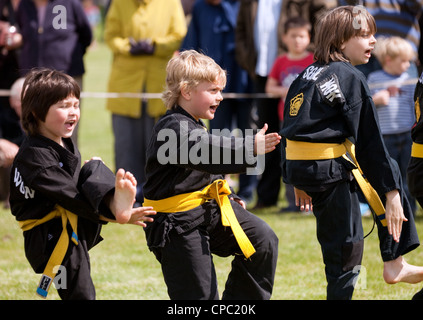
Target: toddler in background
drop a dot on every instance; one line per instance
(392, 90)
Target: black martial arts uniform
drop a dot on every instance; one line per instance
(44, 175)
(328, 104)
(183, 242)
(415, 167)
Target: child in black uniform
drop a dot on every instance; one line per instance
(415, 167)
(47, 183)
(195, 206)
(327, 108)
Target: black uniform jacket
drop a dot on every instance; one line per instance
(184, 157)
(415, 167)
(327, 104)
(45, 174)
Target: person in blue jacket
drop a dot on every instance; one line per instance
(55, 35)
(212, 32)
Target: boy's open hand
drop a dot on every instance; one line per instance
(140, 215)
(394, 214)
(265, 143)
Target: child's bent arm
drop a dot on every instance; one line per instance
(381, 98)
(394, 214)
(273, 87)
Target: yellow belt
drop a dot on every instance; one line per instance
(218, 190)
(61, 247)
(417, 150)
(299, 150)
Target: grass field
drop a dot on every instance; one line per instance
(124, 269)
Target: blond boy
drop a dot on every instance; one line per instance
(198, 215)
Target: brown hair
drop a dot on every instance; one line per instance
(338, 26)
(43, 88)
(296, 22)
(189, 68)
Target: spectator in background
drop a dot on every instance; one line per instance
(258, 42)
(9, 146)
(55, 35)
(143, 35)
(187, 6)
(394, 100)
(286, 68)
(10, 130)
(212, 32)
(93, 14)
(10, 39)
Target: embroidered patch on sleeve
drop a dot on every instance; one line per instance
(295, 104)
(330, 90)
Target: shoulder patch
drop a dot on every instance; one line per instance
(417, 109)
(295, 104)
(330, 90)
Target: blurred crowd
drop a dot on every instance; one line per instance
(263, 45)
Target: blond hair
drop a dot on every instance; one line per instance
(393, 47)
(189, 68)
(338, 26)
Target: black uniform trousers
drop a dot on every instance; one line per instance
(74, 282)
(340, 234)
(187, 261)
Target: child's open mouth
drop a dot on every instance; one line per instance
(70, 124)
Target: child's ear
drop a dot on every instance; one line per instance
(185, 92)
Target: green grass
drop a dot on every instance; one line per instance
(124, 268)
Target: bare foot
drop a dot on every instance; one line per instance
(124, 198)
(399, 270)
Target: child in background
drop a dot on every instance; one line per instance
(288, 66)
(285, 69)
(185, 168)
(48, 183)
(327, 105)
(393, 94)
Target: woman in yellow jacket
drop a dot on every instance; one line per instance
(143, 35)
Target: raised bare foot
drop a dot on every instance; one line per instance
(124, 198)
(399, 270)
